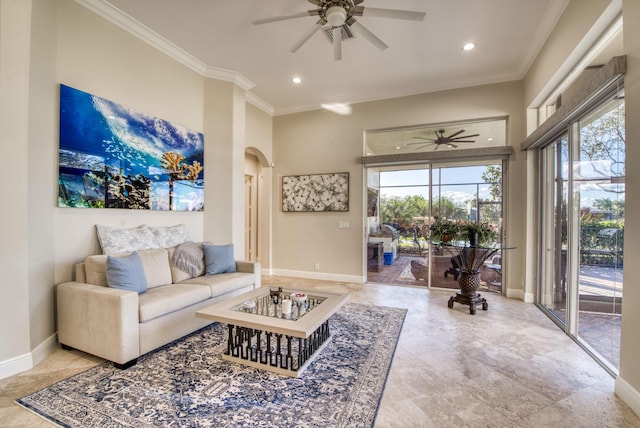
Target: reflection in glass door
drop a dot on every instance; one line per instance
(554, 242)
(599, 186)
(582, 195)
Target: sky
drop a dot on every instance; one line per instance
(458, 184)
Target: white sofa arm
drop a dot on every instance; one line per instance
(250, 267)
(99, 320)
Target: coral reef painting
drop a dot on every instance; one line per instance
(318, 192)
(113, 157)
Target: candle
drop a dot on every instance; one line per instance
(286, 306)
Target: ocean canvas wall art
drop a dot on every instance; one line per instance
(113, 157)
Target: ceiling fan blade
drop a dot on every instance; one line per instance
(463, 141)
(362, 31)
(357, 11)
(467, 136)
(306, 36)
(284, 18)
(393, 14)
(337, 43)
(456, 133)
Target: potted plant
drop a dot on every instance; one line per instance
(477, 233)
(443, 230)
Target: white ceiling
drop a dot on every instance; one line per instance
(422, 56)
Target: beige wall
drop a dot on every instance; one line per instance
(575, 22)
(47, 42)
(320, 142)
(97, 57)
(15, 24)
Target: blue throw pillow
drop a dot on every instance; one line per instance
(219, 258)
(126, 273)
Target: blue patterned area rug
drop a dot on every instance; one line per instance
(187, 384)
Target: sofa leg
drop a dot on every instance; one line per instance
(66, 347)
(126, 365)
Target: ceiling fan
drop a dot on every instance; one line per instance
(449, 141)
(340, 17)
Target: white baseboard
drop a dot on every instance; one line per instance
(515, 293)
(30, 360)
(529, 298)
(628, 394)
(319, 275)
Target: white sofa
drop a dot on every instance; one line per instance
(120, 325)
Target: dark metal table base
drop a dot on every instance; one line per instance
(470, 299)
(275, 352)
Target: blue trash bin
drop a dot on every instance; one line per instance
(388, 258)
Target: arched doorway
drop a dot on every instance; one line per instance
(257, 194)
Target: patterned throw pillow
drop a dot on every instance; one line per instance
(171, 236)
(114, 240)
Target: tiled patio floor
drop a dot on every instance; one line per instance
(399, 273)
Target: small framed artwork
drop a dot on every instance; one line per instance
(316, 192)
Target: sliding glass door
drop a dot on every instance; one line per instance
(554, 192)
(410, 200)
(464, 193)
(582, 196)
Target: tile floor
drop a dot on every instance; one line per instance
(509, 366)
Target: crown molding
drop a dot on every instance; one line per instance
(260, 103)
(551, 17)
(144, 33)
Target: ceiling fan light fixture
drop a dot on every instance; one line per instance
(336, 16)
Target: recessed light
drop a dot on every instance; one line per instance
(296, 80)
(397, 147)
(490, 139)
(469, 46)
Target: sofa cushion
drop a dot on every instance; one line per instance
(126, 273)
(114, 240)
(219, 258)
(95, 269)
(223, 283)
(170, 236)
(156, 267)
(159, 301)
(178, 274)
